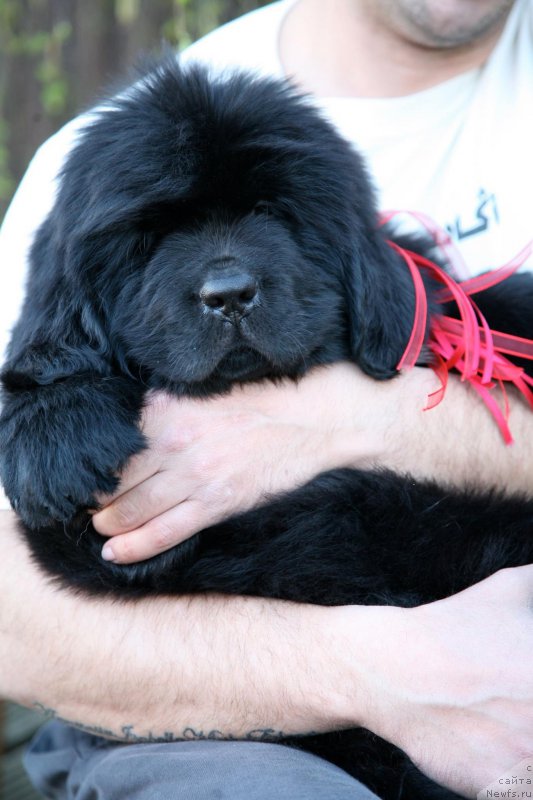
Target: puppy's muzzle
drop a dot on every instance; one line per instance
(231, 296)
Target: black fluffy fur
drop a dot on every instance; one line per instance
(179, 177)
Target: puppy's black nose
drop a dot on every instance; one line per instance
(232, 295)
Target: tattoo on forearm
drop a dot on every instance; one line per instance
(127, 733)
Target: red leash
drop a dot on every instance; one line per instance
(466, 345)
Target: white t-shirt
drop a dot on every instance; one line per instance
(461, 152)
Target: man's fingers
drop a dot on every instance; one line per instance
(142, 503)
(139, 468)
(158, 535)
(166, 437)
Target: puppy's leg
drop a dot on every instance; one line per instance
(63, 437)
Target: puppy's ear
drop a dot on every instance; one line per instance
(59, 334)
(381, 305)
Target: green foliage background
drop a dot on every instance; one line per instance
(56, 55)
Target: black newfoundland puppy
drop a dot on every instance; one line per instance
(206, 233)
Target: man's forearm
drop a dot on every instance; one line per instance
(170, 667)
(438, 681)
(195, 472)
(456, 443)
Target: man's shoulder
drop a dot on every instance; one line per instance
(248, 42)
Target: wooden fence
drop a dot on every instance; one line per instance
(57, 55)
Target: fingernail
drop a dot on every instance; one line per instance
(107, 553)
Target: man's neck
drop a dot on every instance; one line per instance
(340, 49)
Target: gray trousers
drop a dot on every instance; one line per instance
(66, 764)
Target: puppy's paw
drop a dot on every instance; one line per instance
(62, 445)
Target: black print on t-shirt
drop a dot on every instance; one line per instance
(485, 215)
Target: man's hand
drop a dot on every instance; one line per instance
(456, 692)
(209, 459)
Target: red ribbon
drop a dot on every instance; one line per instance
(467, 345)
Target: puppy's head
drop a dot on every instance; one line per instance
(220, 231)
